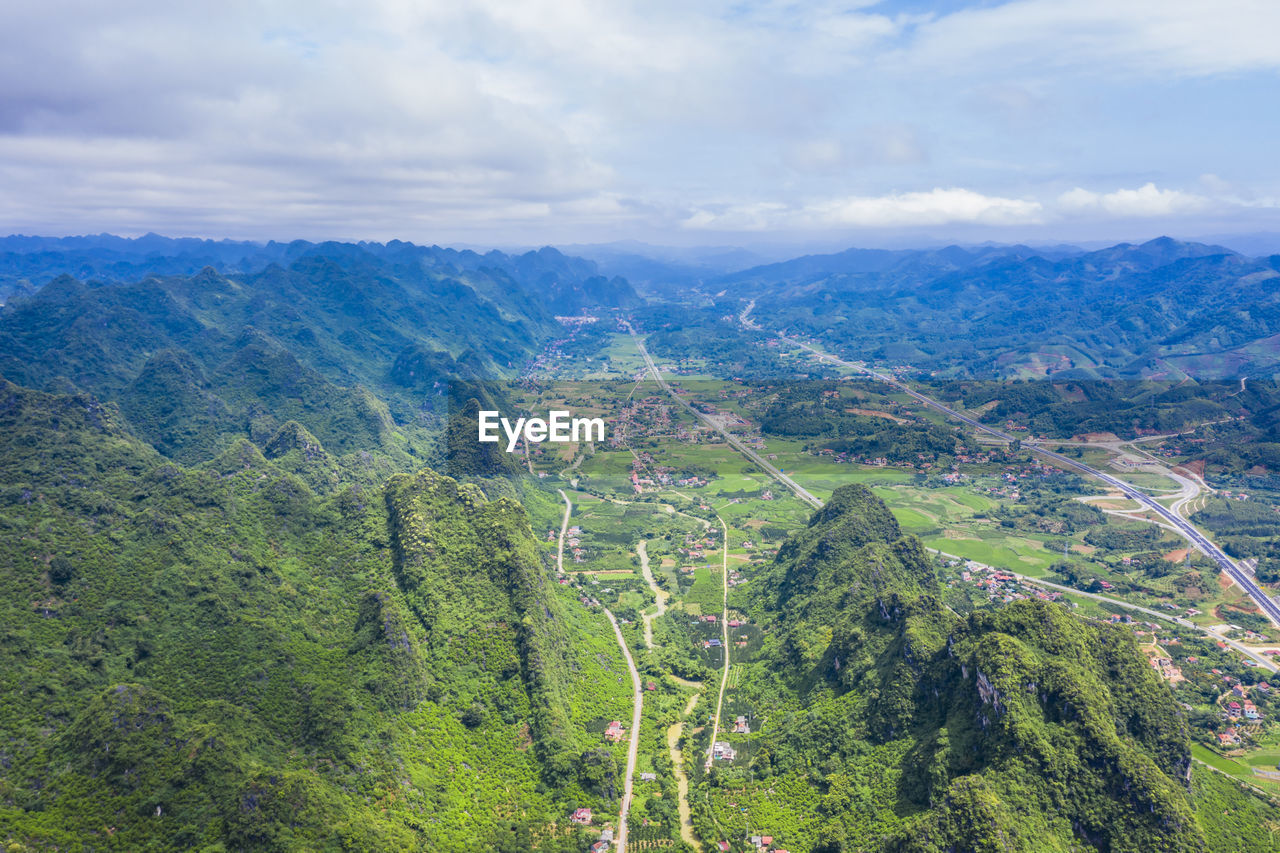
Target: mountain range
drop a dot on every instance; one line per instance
(252, 600)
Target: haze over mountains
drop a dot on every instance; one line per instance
(1163, 308)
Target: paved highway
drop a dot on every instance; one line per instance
(1180, 524)
(1256, 656)
(801, 492)
(1184, 528)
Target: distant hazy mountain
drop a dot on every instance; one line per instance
(667, 270)
(1161, 308)
(27, 263)
(1255, 245)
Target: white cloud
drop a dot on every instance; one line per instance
(911, 209)
(1189, 37)
(434, 119)
(1143, 202)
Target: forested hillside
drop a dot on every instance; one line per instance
(225, 655)
(1162, 309)
(234, 619)
(347, 341)
(1022, 728)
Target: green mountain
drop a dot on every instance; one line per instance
(261, 589)
(1162, 309)
(224, 657)
(355, 343)
(1021, 728)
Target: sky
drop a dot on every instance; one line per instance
(575, 121)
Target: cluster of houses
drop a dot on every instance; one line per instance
(614, 732)
(1141, 628)
(846, 456)
(553, 352)
(714, 641)
(696, 547)
(1008, 492)
(1029, 470)
(650, 416)
(585, 598)
(582, 817)
(1247, 710)
(573, 541)
(1239, 709)
(1231, 736)
(923, 461)
(1003, 586)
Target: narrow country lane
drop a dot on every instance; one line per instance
(724, 642)
(637, 693)
(633, 747)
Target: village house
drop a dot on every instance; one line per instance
(581, 816)
(614, 732)
(723, 751)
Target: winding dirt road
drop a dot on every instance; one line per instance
(660, 595)
(682, 781)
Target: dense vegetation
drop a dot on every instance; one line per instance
(221, 655)
(1022, 728)
(830, 412)
(230, 622)
(712, 335)
(1163, 308)
(263, 590)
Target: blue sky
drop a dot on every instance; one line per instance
(534, 121)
